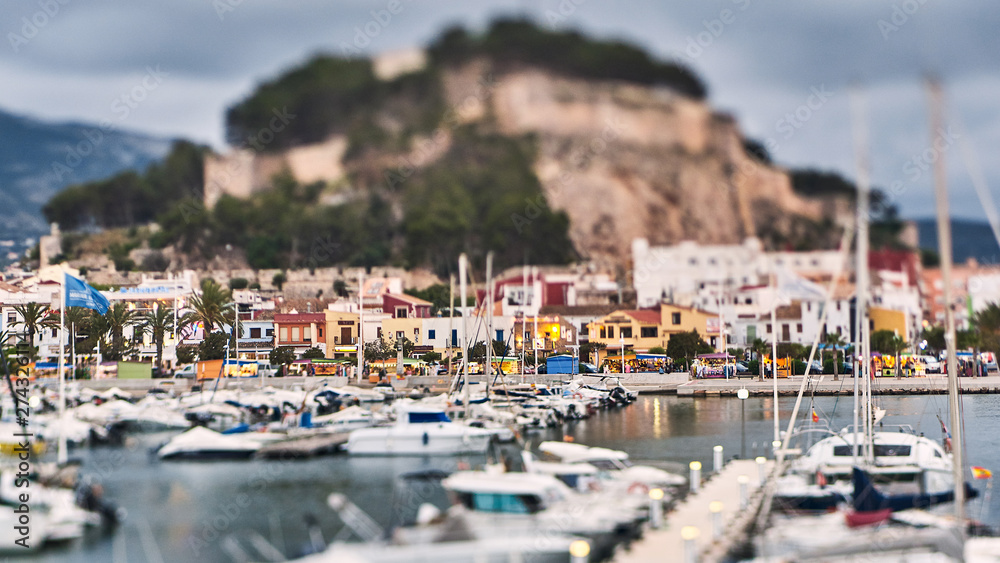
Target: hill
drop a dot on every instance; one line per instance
(540, 146)
(41, 158)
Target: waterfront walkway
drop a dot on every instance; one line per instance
(929, 384)
(694, 517)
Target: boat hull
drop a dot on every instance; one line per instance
(418, 439)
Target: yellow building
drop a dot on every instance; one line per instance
(553, 334)
(886, 319)
(642, 329)
(410, 328)
(341, 334)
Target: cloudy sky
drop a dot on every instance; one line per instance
(782, 67)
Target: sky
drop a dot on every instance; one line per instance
(786, 69)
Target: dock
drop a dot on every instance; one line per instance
(919, 385)
(690, 524)
(306, 446)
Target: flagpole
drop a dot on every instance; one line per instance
(62, 457)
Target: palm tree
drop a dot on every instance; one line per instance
(157, 323)
(213, 306)
(118, 318)
(34, 318)
(835, 340)
(759, 347)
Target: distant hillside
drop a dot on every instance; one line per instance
(40, 158)
(970, 239)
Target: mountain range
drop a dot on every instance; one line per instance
(40, 158)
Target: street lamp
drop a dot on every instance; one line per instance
(621, 340)
(743, 394)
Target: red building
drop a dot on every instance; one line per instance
(403, 306)
(300, 331)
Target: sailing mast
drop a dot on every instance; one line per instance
(944, 248)
(463, 264)
(861, 377)
(489, 320)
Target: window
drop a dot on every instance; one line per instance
(647, 332)
(378, 332)
(269, 333)
(400, 334)
(604, 332)
(295, 334)
(768, 328)
(307, 333)
(454, 337)
(254, 333)
(320, 330)
(499, 336)
(798, 327)
(611, 332)
(585, 330)
(809, 306)
(416, 335)
(401, 312)
(55, 333)
(626, 332)
(11, 318)
(284, 334)
(838, 305)
(431, 334)
(675, 318)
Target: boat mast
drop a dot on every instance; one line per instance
(489, 320)
(861, 377)
(944, 248)
(463, 264)
(451, 319)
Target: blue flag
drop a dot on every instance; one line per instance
(79, 294)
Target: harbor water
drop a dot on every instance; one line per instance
(211, 511)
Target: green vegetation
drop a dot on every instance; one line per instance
(512, 43)
(684, 346)
(131, 198)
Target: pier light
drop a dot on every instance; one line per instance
(656, 508)
(744, 483)
(761, 468)
(695, 479)
(716, 459)
(579, 550)
(715, 507)
(690, 534)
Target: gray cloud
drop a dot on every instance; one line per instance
(760, 64)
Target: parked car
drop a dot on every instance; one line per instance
(741, 368)
(931, 364)
(186, 372)
(588, 368)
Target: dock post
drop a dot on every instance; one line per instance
(716, 459)
(656, 508)
(761, 468)
(695, 478)
(715, 507)
(690, 535)
(578, 551)
(744, 482)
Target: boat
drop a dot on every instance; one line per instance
(419, 431)
(203, 443)
(616, 462)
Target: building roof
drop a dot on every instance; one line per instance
(579, 310)
(645, 316)
(408, 299)
(300, 318)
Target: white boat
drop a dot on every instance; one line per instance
(527, 549)
(53, 514)
(509, 505)
(615, 461)
(419, 431)
(202, 443)
(346, 420)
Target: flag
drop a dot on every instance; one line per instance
(79, 294)
(815, 416)
(981, 472)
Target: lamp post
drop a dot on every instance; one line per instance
(743, 395)
(621, 340)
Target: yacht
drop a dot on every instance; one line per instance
(419, 431)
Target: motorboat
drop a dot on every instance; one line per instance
(203, 443)
(54, 515)
(419, 431)
(492, 504)
(348, 419)
(615, 462)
